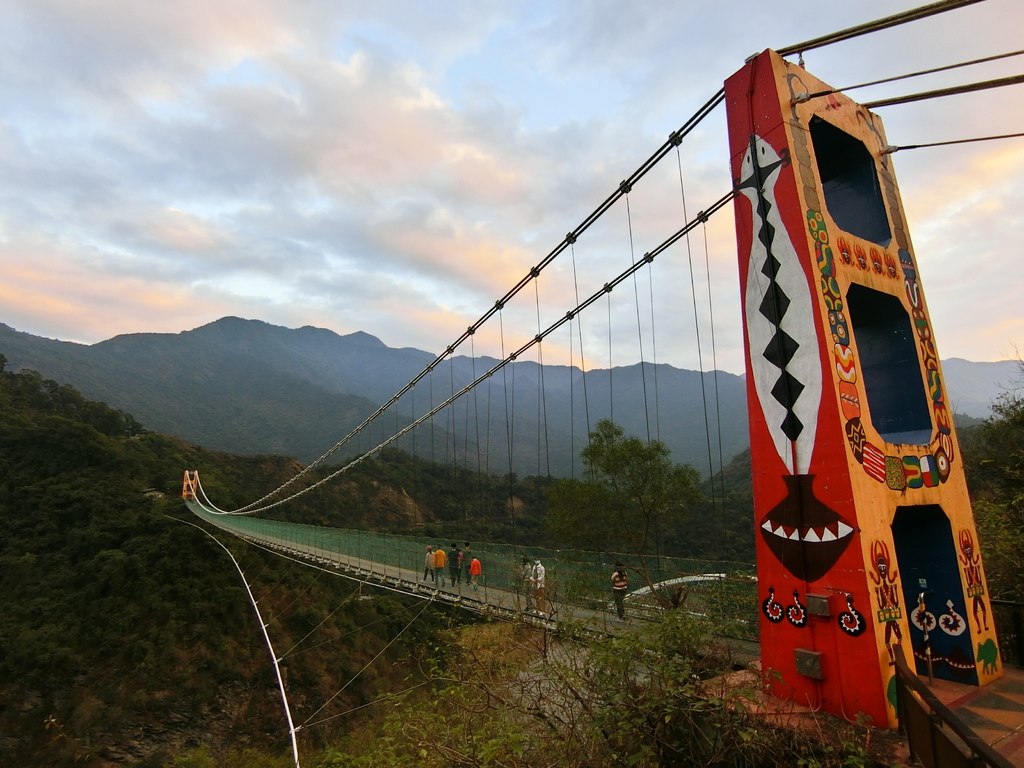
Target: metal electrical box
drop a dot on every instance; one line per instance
(817, 605)
(808, 663)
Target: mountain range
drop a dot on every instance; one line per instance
(248, 387)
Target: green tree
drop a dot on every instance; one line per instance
(994, 455)
(655, 697)
(631, 493)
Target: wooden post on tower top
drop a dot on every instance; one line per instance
(865, 532)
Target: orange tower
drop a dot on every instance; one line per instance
(865, 532)
(190, 485)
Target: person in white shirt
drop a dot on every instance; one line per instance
(526, 585)
(539, 574)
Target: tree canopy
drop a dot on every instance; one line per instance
(632, 492)
(994, 453)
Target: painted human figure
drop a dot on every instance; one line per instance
(888, 596)
(972, 573)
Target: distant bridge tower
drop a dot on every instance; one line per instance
(859, 491)
(190, 485)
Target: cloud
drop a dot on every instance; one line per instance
(49, 291)
(396, 168)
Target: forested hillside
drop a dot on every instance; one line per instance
(126, 635)
(994, 460)
(246, 386)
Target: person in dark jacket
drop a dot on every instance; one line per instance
(455, 564)
(428, 563)
(620, 583)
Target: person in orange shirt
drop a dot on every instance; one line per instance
(475, 568)
(440, 561)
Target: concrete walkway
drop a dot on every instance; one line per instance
(995, 712)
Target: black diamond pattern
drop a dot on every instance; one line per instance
(786, 390)
(781, 349)
(791, 426)
(775, 304)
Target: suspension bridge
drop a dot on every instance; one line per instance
(503, 589)
(806, 551)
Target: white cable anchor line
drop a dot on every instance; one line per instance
(342, 604)
(647, 258)
(266, 636)
(366, 666)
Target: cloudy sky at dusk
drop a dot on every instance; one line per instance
(395, 167)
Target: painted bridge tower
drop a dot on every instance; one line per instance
(865, 535)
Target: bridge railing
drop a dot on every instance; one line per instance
(936, 736)
(725, 592)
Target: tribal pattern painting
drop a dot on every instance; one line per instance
(897, 472)
(779, 314)
(806, 535)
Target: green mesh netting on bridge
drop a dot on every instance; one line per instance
(723, 591)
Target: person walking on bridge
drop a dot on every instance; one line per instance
(428, 564)
(538, 579)
(475, 569)
(455, 564)
(440, 561)
(620, 583)
(527, 580)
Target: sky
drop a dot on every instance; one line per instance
(396, 167)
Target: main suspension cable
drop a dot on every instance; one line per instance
(897, 78)
(674, 139)
(887, 22)
(890, 150)
(648, 257)
(951, 91)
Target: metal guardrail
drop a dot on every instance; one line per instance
(578, 583)
(936, 736)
